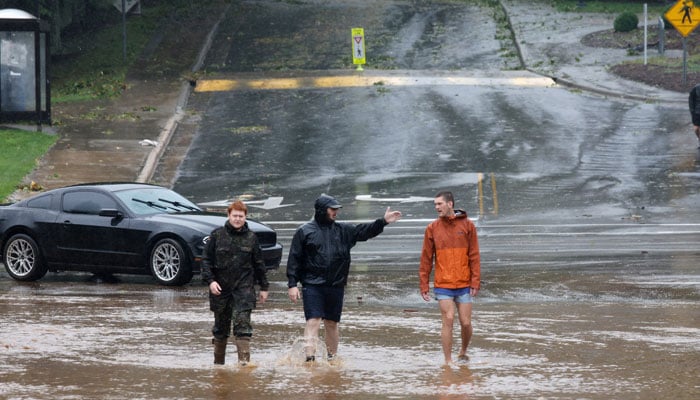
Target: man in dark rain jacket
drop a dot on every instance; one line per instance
(319, 259)
(694, 105)
(231, 266)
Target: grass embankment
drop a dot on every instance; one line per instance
(92, 65)
(19, 152)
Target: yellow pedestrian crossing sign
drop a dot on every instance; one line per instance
(684, 16)
(358, 47)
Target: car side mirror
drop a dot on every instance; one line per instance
(111, 213)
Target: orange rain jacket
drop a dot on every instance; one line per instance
(453, 245)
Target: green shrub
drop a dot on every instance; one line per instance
(625, 22)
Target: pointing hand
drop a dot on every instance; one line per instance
(391, 216)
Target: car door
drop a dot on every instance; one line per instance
(89, 239)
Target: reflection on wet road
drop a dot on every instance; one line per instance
(621, 329)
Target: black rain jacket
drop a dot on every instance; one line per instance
(320, 250)
(694, 105)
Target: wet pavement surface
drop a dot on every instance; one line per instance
(590, 329)
(586, 207)
(605, 159)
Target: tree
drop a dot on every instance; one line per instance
(75, 15)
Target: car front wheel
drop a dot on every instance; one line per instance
(169, 263)
(22, 258)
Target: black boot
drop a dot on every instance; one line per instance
(219, 350)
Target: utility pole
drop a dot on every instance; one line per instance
(124, 31)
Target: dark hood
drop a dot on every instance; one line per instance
(323, 202)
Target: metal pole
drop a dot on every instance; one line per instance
(645, 33)
(685, 62)
(124, 30)
(37, 67)
(662, 35)
(37, 74)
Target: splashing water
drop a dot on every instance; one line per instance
(302, 348)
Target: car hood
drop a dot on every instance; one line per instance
(203, 221)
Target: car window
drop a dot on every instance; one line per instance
(154, 200)
(40, 202)
(87, 202)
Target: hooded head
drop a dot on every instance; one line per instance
(322, 204)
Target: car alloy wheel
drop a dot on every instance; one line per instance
(169, 263)
(22, 259)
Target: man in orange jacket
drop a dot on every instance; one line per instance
(451, 243)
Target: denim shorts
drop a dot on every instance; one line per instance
(325, 302)
(458, 295)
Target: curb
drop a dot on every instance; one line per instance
(608, 93)
(165, 136)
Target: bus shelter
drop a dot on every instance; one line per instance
(24, 67)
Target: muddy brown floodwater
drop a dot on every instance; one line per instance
(594, 330)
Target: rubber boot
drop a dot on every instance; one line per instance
(243, 345)
(219, 351)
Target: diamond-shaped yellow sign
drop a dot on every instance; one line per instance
(684, 16)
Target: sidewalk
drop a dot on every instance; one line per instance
(550, 44)
(120, 143)
(129, 135)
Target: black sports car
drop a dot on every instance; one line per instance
(108, 228)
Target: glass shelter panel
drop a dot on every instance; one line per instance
(17, 71)
(42, 86)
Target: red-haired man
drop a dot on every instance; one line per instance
(232, 265)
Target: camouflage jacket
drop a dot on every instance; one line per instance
(234, 260)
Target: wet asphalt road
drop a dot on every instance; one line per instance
(586, 209)
(513, 147)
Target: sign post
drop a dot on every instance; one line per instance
(358, 47)
(685, 17)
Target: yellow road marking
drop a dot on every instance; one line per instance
(220, 85)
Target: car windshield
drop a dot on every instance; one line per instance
(155, 200)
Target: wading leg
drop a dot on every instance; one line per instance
(313, 325)
(447, 310)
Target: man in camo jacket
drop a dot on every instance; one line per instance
(231, 266)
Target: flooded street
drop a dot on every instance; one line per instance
(597, 330)
(586, 208)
